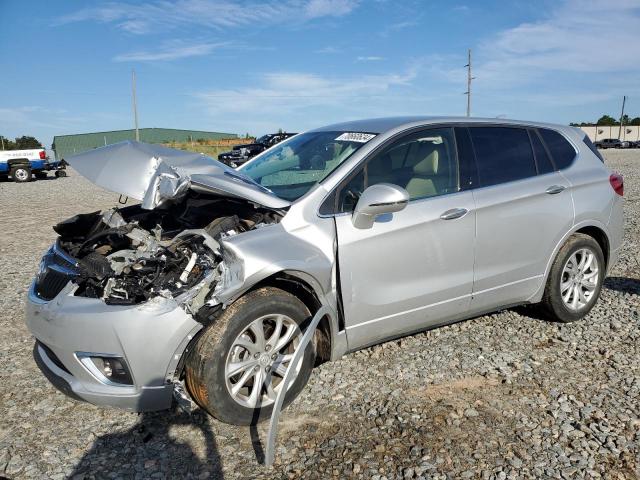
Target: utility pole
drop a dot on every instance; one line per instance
(469, 78)
(135, 105)
(624, 99)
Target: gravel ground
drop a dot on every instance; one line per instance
(500, 396)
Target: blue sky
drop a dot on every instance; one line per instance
(245, 66)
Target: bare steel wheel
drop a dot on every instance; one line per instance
(579, 279)
(575, 279)
(21, 173)
(259, 358)
(236, 367)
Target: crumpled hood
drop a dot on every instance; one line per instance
(154, 174)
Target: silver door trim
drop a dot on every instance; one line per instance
(405, 312)
(441, 303)
(507, 284)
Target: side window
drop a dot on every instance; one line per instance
(542, 157)
(424, 163)
(503, 154)
(561, 150)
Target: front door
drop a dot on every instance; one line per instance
(414, 268)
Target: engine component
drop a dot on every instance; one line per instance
(128, 256)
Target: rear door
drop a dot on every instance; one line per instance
(523, 209)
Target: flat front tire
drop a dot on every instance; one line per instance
(575, 279)
(235, 369)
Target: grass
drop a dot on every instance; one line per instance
(211, 148)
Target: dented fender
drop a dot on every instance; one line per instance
(257, 255)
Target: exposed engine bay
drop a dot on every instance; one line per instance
(129, 255)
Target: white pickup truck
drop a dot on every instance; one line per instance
(21, 165)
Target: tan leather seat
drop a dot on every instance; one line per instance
(423, 182)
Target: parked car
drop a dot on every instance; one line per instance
(22, 165)
(240, 154)
(611, 143)
(397, 225)
(633, 144)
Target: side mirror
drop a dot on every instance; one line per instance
(377, 200)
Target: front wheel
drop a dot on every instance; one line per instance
(237, 366)
(21, 174)
(575, 279)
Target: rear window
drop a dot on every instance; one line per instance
(503, 154)
(587, 141)
(561, 150)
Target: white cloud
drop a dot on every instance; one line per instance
(581, 53)
(28, 117)
(329, 8)
(157, 15)
(294, 95)
(369, 59)
(170, 51)
(329, 50)
(578, 36)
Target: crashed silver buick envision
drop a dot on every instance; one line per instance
(203, 289)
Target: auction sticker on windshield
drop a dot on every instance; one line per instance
(355, 137)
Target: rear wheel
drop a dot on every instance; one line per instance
(21, 173)
(237, 366)
(575, 279)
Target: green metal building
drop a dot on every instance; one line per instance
(67, 145)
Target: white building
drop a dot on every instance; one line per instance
(628, 132)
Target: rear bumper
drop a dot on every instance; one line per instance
(150, 338)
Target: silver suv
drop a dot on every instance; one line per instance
(397, 225)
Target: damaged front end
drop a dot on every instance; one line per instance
(131, 255)
(134, 285)
(168, 246)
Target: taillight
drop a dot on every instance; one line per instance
(617, 183)
(43, 155)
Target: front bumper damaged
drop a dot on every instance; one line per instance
(141, 334)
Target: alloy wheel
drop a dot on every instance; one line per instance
(579, 279)
(258, 360)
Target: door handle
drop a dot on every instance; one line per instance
(553, 189)
(454, 213)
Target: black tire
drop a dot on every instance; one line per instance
(205, 363)
(60, 173)
(552, 304)
(21, 173)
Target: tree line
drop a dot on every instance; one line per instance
(24, 142)
(609, 121)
